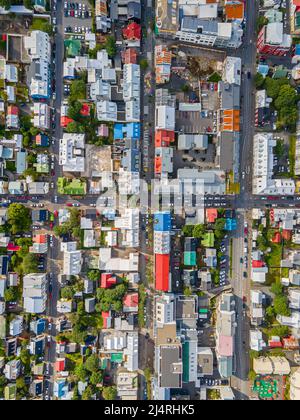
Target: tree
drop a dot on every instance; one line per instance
(10, 294)
(93, 275)
(111, 47)
(76, 395)
(219, 228)
(78, 90)
(279, 149)
(96, 378)
(277, 288)
(187, 230)
(30, 264)
(280, 331)
(109, 393)
(273, 86)
(92, 363)
(199, 231)
(281, 305)
(259, 80)
(74, 110)
(81, 372)
(144, 64)
(67, 292)
(6, 4)
(18, 218)
(187, 291)
(287, 97)
(87, 394)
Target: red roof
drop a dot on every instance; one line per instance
(107, 280)
(12, 247)
(163, 138)
(65, 121)
(60, 365)
(275, 344)
(131, 300)
(257, 264)
(162, 267)
(13, 110)
(277, 238)
(85, 110)
(105, 316)
(130, 56)
(132, 32)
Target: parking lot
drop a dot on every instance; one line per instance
(77, 17)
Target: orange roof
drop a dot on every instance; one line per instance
(65, 121)
(234, 10)
(211, 215)
(277, 238)
(163, 138)
(287, 235)
(158, 165)
(40, 239)
(231, 120)
(130, 56)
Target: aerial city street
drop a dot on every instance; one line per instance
(150, 200)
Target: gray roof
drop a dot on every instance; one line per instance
(230, 96)
(229, 148)
(204, 26)
(170, 367)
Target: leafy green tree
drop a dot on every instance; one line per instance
(279, 148)
(28, 4)
(96, 378)
(281, 305)
(277, 288)
(92, 363)
(273, 86)
(109, 393)
(87, 394)
(199, 231)
(111, 47)
(30, 264)
(18, 218)
(10, 294)
(187, 230)
(76, 396)
(67, 292)
(81, 372)
(93, 275)
(78, 90)
(259, 80)
(287, 97)
(144, 64)
(74, 110)
(6, 4)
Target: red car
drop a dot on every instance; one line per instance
(246, 231)
(272, 197)
(244, 299)
(51, 225)
(69, 204)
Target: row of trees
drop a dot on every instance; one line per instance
(284, 97)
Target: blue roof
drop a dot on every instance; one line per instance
(21, 162)
(130, 131)
(162, 222)
(263, 69)
(230, 224)
(297, 49)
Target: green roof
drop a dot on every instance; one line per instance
(186, 361)
(203, 311)
(71, 187)
(209, 240)
(73, 47)
(117, 357)
(190, 258)
(10, 392)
